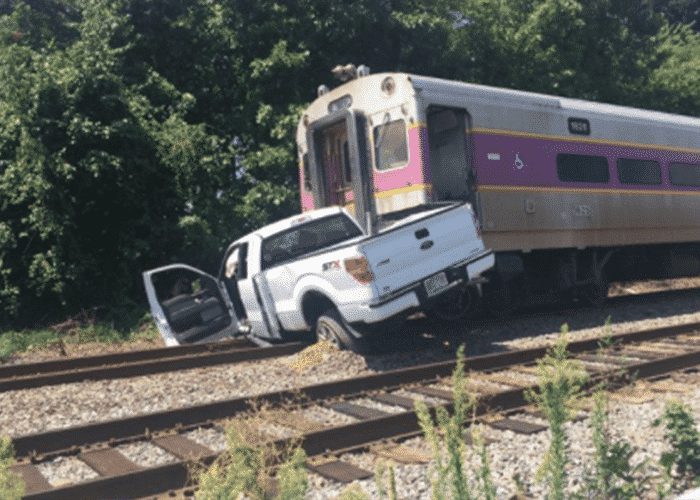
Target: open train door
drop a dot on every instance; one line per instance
(189, 306)
(339, 166)
(451, 169)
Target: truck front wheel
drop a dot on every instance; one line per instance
(331, 327)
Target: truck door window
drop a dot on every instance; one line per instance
(307, 238)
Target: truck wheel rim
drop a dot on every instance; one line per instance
(325, 332)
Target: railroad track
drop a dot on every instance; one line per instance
(150, 361)
(500, 383)
(568, 309)
(136, 363)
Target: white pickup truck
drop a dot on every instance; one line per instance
(319, 274)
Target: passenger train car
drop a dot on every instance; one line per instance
(570, 194)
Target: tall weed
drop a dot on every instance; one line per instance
(445, 436)
(613, 475)
(560, 380)
(682, 463)
(246, 470)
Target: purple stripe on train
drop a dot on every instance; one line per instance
(527, 161)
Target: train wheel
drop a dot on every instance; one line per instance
(499, 300)
(457, 304)
(596, 293)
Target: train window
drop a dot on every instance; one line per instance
(631, 171)
(390, 148)
(582, 168)
(684, 174)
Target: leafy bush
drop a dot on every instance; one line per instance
(682, 463)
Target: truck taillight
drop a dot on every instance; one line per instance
(358, 268)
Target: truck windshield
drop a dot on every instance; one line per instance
(307, 238)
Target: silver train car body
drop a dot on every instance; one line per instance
(571, 194)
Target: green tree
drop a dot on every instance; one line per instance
(97, 158)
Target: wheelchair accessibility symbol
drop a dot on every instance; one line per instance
(519, 164)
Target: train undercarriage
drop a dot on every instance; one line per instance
(521, 280)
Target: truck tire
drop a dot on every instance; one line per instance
(331, 327)
(458, 304)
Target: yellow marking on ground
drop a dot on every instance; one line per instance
(312, 356)
(635, 396)
(402, 454)
(669, 386)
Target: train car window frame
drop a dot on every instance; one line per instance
(694, 168)
(345, 159)
(306, 173)
(375, 137)
(627, 168)
(582, 168)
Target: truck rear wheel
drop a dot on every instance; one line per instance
(331, 327)
(457, 304)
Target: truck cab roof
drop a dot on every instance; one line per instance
(289, 222)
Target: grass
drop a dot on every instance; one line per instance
(11, 485)
(128, 326)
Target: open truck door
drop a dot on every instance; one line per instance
(189, 306)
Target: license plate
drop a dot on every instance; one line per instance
(435, 284)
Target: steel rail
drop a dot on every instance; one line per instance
(550, 310)
(51, 442)
(346, 437)
(136, 363)
(150, 361)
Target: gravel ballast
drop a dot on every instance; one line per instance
(45, 408)
(512, 454)
(59, 406)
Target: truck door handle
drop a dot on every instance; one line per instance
(426, 245)
(422, 233)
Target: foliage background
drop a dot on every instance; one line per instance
(134, 133)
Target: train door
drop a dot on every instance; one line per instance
(338, 164)
(451, 172)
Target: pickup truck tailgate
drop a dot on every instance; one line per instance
(413, 251)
